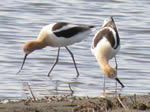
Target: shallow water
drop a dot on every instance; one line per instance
(21, 21)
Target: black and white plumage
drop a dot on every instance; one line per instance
(64, 34)
(105, 46)
(59, 34)
(67, 30)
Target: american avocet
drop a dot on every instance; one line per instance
(59, 34)
(105, 45)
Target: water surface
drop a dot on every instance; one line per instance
(21, 21)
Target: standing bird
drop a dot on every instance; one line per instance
(105, 46)
(59, 35)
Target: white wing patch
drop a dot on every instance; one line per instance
(114, 36)
(66, 27)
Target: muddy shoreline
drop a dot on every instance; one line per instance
(135, 103)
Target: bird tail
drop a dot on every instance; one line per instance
(91, 26)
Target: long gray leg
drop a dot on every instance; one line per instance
(55, 62)
(104, 86)
(116, 63)
(73, 61)
(116, 71)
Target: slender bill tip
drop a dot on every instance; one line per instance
(119, 82)
(22, 63)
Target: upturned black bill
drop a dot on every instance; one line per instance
(119, 82)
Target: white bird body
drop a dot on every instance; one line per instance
(105, 46)
(59, 34)
(60, 41)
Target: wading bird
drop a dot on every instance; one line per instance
(105, 46)
(59, 35)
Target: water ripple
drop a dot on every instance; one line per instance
(21, 21)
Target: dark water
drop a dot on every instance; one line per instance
(21, 21)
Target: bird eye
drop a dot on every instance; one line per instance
(113, 74)
(28, 49)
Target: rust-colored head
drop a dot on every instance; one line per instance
(112, 73)
(29, 47)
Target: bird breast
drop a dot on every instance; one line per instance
(104, 49)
